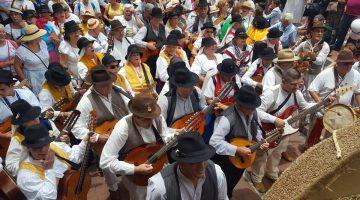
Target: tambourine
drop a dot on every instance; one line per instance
(338, 116)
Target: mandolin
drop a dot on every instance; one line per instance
(76, 183)
(147, 53)
(8, 187)
(56, 107)
(105, 128)
(69, 124)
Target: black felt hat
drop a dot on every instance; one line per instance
(260, 22)
(240, 33)
(177, 33)
(99, 75)
(71, 26)
(28, 14)
(83, 42)
(274, 33)
(44, 9)
(175, 65)
(172, 40)
(57, 7)
(157, 12)
(208, 24)
(57, 75)
(108, 59)
(6, 76)
(267, 53)
(202, 4)
(228, 67)
(173, 13)
(133, 48)
(236, 18)
(191, 148)
(247, 97)
(23, 112)
(183, 77)
(116, 24)
(37, 136)
(207, 42)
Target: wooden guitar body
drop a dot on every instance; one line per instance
(5, 139)
(140, 155)
(257, 78)
(8, 188)
(182, 122)
(105, 128)
(147, 53)
(5, 126)
(67, 186)
(242, 162)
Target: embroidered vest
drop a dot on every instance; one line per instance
(151, 36)
(218, 86)
(56, 94)
(137, 85)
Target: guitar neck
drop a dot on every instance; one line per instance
(162, 151)
(83, 169)
(225, 90)
(310, 110)
(272, 136)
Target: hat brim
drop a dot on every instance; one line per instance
(72, 29)
(154, 114)
(158, 16)
(196, 157)
(65, 81)
(252, 105)
(27, 38)
(219, 68)
(268, 57)
(32, 114)
(274, 36)
(296, 58)
(242, 36)
(97, 23)
(118, 27)
(203, 28)
(15, 11)
(247, 6)
(172, 44)
(132, 52)
(193, 81)
(40, 143)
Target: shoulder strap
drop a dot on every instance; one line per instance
(119, 90)
(336, 77)
(127, 40)
(156, 133)
(71, 163)
(171, 106)
(281, 105)
(36, 55)
(194, 97)
(146, 77)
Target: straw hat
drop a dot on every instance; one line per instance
(92, 23)
(32, 32)
(286, 55)
(247, 4)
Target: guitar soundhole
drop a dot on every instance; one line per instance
(241, 159)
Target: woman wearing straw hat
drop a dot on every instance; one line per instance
(32, 58)
(100, 40)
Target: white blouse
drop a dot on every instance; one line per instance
(202, 64)
(32, 62)
(73, 56)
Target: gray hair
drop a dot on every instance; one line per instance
(2, 27)
(291, 75)
(128, 6)
(288, 17)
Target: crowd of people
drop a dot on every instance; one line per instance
(129, 72)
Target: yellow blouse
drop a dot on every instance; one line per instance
(112, 13)
(137, 80)
(256, 35)
(90, 63)
(56, 94)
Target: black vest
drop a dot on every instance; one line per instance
(151, 36)
(237, 127)
(209, 189)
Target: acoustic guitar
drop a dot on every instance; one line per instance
(105, 128)
(8, 187)
(76, 183)
(69, 124)
(147, 53)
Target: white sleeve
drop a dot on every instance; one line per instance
(322, 55)
(303, 104)
(190, 23)
(80, 128)
(246, 78)
(161, 69)
(221, 181)
(109, 156)
(82, 70)
(139, 36)
(163, 103)
(13, 156)
(47, 101)
(268, 80)
(267, 99)
(167, 133)
(202, 99)
(316, 84)
(299, 48)
(209, 89)
(217, 140)
(156, 188)
(196, 66)
(77, 152)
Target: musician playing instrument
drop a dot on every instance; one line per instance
(192, 176)
(239, 120)
(8, 94)
(238, 50)
(207, 30)
(317, 48)
(100, 44)
(285, 60)
(144, 125)
(340, 75)
(24, 115)
(185, 98)
(274, 102)
(56, 87)
(120, 43)
(273, 39)
(257, 69)
(236, 23)
(45, 164)
(154, 32)
(198, 17)
(136, 72)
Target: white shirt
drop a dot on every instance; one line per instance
(141, 34)
(198, 41)
(269, 103)
(14, 33)
(190, 21)
(24, 94)
(247, 20)
(73, 17)
(321, 55)
(131, 27)
(274, 16)
(325, 82)
(32, 62)
(23, 5)
(33, 187)
(162, 65)
(73, 56)
(80, 8)
(240, 53)
(120, 48)
(269, 79)
(246, 78)
(156, 189)
(100, 43)
(7, 52)
(356, 66)
(273, 45)
(182, 106)
(202, 64)
(209, 91)
(80, 128)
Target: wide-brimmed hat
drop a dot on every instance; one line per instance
(99, 75)
(88, 13)
(57, 8)
(57, 75)
(259, 22)
(208, 24)
(236, 18)
(144, 105)
(274, 33)
(345, 56)
(191, 148)
(177, 33)
(23, 112)
(6, 76)
(92, 23)
(116, 24)
(202, 4)
(286, 55)
(267, 53)
(71, 27)
(207, 42)
(173, 13)
(247, 4)
(132, 49)
(157, 13)
(228, 67)
(318, 25)
(172, 40)
(248, 97)
(213, 9)
(240, 33)
(15, 10)
(28, 14)
(175, 66)
(44, 9)
(83, 42)
(108, 59)
(32, 32)
(37, 136)
(183, 77)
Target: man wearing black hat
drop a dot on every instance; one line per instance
(197, 18)
(239, 120)
(144, 125)
(257, 69)
(184, 98)
(25, 115)
(193, 175)
(56, 87)
(236, 23)
(207, 30)
(273, 39)
(120, 42)
(152, 36)
(43, 167)
(238, 50)
(9, 94)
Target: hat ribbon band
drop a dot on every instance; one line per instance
(28, 34)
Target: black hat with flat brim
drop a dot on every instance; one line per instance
(172, 40)
(228, 67)
(57, 75)
(44, 9)
(37, 136)
(240, 33)
(108, 59)
(247, 97)
(157, 13)
(28, 14)
(116, 24)
(83, 42)
(6, 76)
(57, 8)
(274, 33)
(267, 53)
(202, 4)
(23, 112)
(236, 18)
(177, 33)
(191, 148)
(207, 25)
(208, 42)
(71, 27)
(132, 49)
(184, 78)
(98, 75)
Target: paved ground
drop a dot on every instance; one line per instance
(243, 190)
